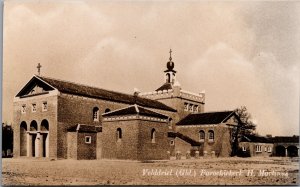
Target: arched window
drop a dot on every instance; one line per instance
(96, 114)
(107, 110)
(44, 125)
(33, 126)
(201, 136)
(211, 135)
(153, 135)
(119, 134)
(168, 77)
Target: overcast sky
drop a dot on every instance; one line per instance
(240, 53)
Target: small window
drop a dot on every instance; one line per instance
(33, 107)
(96, 114)
(107, 110)
(172, 142)
(265, 149)
(258, 148)
(186, 107)
(88, 139)
(23, 109)
(191, 107)
(153, 135)
(244, 148)
(168, 77)
(196, 108)
(119, 135)
(269, 149)
(201, 136)
(45, 106)
(32, 91)
(211, 136)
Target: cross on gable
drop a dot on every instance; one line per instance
(39, 68)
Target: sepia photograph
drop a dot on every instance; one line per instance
(162, 92)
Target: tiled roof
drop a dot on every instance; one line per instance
(135, 109)
(184, 137)
(256, 138)
(276, 139)
(98, 93)
(165, 86)
(85, 128)
(286, 139)
(205, 118)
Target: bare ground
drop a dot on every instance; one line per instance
(25, 171)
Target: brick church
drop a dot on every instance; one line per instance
(65, 120)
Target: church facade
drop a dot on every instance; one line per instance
(65, 120)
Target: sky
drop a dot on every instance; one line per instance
(241, 53)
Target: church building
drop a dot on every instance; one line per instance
(64, 120)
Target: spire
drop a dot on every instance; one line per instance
(170, 55)
(170, 64)
(170, 72)
(39, 68)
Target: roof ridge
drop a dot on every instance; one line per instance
(142, 100)
(117, 110)
(136, 108)
(78, 127)
(150, 110)
(214, 112)
(227, 117)
(82, 84)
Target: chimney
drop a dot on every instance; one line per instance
(136, 92)
(269, 135)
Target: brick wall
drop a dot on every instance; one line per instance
(251, 147)
(157, 150)
(99, 146)
(86, 151)
(127, 148)
(50, 115)
(181, 146)
(136, 143)
(221, 144)
(64, 111)
(73, 110)
(72, 145)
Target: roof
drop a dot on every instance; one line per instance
(98, 93)
(85, 128)
(184, 137)
(206, 118)
(276, 139)
(256, 138)
(135, 109)
(286, 139)
(165, 86)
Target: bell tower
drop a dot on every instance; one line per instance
(170, 72)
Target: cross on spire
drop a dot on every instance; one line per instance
(39, 68)
(170, 54)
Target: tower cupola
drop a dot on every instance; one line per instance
(170, 72)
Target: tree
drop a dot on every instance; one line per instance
(245, 127)
(7, 139)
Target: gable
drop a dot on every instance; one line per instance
(232, 120)
(135, 109)
(35, 87)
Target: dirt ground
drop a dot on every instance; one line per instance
(208, 171)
